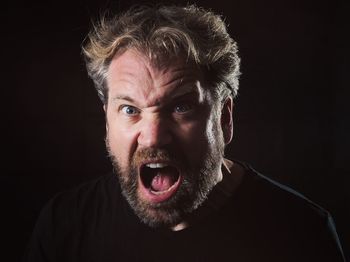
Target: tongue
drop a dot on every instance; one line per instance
(163, 181)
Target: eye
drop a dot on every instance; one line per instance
(129, 110)
(183, 107)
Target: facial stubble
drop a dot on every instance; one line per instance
(197, 181)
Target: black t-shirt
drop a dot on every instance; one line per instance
(263, 221)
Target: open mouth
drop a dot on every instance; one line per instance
(159, 181)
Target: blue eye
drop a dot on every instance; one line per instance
(183, 108)
(129, 110)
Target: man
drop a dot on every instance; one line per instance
(167, 77)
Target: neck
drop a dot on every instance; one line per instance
(229, 178)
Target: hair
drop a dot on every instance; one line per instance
(162, 33)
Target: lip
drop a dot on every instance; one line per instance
(151, 197)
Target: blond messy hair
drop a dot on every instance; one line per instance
(162, 33)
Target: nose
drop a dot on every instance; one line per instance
(154, 132)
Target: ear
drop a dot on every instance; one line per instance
(227, 120)
(105, 109)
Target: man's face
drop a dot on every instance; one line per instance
(164, 137)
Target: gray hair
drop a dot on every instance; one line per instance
(162, 33)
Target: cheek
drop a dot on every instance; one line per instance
(195, 138)
(121, 141)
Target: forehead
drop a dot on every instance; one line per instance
(132, 73)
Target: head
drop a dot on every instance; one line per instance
(167, 77)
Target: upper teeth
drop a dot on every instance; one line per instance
(156, 165)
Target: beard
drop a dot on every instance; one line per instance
(198, 179)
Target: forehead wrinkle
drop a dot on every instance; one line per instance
(175, 93)
(148, 85)
(127, 65)
(175, 77)
(159, 79)
(174, 88)
(175, 80)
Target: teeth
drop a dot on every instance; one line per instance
(156, 165)
(160, 192)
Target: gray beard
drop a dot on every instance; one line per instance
(195, 187)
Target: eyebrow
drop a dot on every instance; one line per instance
(177, 96)
(181, 95)
(123, 97)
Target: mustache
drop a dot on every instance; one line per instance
(158, 154)
(166, 154)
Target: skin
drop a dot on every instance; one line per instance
(150, 107)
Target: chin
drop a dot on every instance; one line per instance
(163, 189)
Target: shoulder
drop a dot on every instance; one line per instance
(72, 207)
(272, 198)
(284, 214)
(96, 189)
(258, 187)
(71, 217)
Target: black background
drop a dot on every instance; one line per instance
(291, 116)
